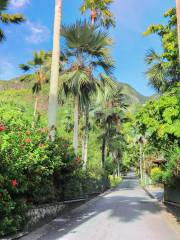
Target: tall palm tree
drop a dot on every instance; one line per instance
(6, 18)
(178, 22)
(87, 52)
(53, 93)
(38, 66)
(99, 11)
(109, 116)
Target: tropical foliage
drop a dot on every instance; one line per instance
(100, 11)
(159, 121)
(87, 52)
(164, 70)
(7, 18)
(88, 110)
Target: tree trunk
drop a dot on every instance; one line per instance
(118, 169)
(76, 124)
(141, 160)
(86, 136)
(103, 152)
(35, 106)
(35, 110)
(53, 94)
(178, 22)
(86, 127)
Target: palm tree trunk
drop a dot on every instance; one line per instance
(103, 152)
(178, 22)
(86, 136)
(86, 128)
(35, 110)
(76, 124)
(53, 94)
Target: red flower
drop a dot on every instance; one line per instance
(14, 182)
(2, 128)
(28, 140)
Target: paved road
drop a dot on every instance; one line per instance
(126, 213)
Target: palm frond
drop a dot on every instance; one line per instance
(152, 56)
(11, 18)
(24, 67)
(36, 88)
(156, 75)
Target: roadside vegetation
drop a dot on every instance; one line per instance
(88, 133)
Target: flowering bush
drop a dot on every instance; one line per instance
(28, 161)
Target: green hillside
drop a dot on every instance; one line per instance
(132, 96)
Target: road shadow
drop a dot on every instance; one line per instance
(125, 208)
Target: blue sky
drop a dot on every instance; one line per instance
(133, 17)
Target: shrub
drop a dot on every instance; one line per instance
(28, 161)
(156, 175)
(114, 181)
(172, 168)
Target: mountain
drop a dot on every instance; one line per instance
(20, 92)
(133, 97)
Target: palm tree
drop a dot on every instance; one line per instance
(109, 117)
(53, 93)
(99, 11)
(6, 18)
(161, 75)
(178, 22)
(87, 52)
(39, 65)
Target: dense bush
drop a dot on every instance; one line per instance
(80, 184)
(171, 170)
(35, 170)
(159, 121)
(28, 161)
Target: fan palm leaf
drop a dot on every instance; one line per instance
(6, 18)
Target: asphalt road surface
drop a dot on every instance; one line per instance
(126, 213)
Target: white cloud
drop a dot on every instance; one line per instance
(18, 3)
(38, 33)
